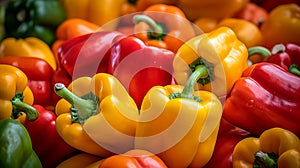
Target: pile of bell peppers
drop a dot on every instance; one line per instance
(149, 83)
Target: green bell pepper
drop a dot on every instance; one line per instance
(37, 18)
(16, 147)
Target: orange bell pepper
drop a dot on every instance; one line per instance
(134, 158)
(246, 31)
(282, 26)
(81, 160)
(72, 28)
(168, 25)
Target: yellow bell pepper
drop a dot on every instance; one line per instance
(99, 12)
(96, 115)
(276, 147)
(178, 124)
(27, 47)
(223, 54)
(16, 97)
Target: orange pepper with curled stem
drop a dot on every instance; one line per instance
(163, 26)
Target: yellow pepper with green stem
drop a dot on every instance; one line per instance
(276, 147)
(178, 124)
(222, 53)
(16, 97)
(97, 116)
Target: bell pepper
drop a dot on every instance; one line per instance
(16, 148)
(221, 52)
(29, 47)
(16, 97)
(287, 56)
(217, 9)
(96, 103)
(163, 26)
(72, 28)
(179, 122)
(276, 147)
(154, 66)
(228, 137)
(33, 18)
(39, 74)
(86, 55)
(134, 158)
(285, 32)
(81, 160)
(95, 11)
(53, 149)
(206, 24)
(246, 31)
(253, 13)
(141, 5)
(264, 97)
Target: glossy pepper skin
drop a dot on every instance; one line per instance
(276, 147)
(179, 122)
(287, 56)
(221, 52)
(96, 103)
(286, 32)
(16, 148)
(86, 55)
(27, 47)
(39, 74)
(134, 158)
(163, 26)
(48, 145)
(16, 97)
(246, 31)
(154, 66)
(228, 137)
(33, 18)
(71, 28)
(264, 97)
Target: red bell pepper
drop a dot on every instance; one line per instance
(139, 67)
(265, 96)
(39, 74)
(271, 4)
(287, 56)
(87, 54)
(48, 145)
(228, 136)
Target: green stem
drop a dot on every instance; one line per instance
(19, 106)
(262, 51)
(294, 69)
(264, 161)
(201, 71)
(84, 107)
(157, 29)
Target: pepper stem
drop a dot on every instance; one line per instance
(201, 71)
(294, 69)
(262, 51)
(157, 29)
(85, 107)
(19, 106)
(264, 160)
